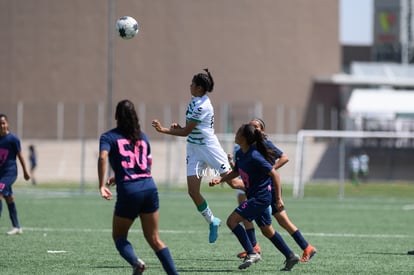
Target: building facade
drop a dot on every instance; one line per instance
(61, 74)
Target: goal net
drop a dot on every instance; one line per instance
(323, 155)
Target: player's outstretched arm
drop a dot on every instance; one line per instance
(230, 178)
(175, 129)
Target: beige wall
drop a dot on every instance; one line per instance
(74, 161)
(264, 51)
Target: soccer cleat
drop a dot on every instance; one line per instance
(139, 269)
(256, 248)
(214, 225)
(308, 253)
(249, 260)
(410, 252)
(15, 231)
(290, 262)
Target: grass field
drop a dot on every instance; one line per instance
(69, 232)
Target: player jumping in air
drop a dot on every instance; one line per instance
(203, 147)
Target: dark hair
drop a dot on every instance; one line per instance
(127, 120)
(255, 136)
(204, 80)
(261, 122)
(3, 115)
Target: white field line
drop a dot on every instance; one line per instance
(408, 207)
(107, 230)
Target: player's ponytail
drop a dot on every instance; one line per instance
(127, 120)
(256, 137)
(262, 147)
(211, 86)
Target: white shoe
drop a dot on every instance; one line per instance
(249, 260)
(15, 231)
(139, 269)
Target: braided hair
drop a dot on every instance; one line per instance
(204, 80)
(127, 121)
(255, 136)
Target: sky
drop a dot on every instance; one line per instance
(355, 22)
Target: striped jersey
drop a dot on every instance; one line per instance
(201, 111)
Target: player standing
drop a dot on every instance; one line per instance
(10, 149)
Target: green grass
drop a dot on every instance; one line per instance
(367, 232)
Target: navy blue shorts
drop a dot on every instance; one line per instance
(133, 204)
(253, 209)
(6, 183)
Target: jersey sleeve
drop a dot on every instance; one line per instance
(149, 155)
(278, 152)
(17, 144)
(199, 113)
(104, 143)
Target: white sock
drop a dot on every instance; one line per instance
(208, 215)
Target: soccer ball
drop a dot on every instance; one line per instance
(126, 27)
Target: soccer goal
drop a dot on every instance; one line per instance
(323, 154)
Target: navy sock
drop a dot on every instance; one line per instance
(300, 240)
(1, 207)
(126, 250)
(252, 236)
(166, 260)
(280, 244)
(243, 239)
(13, 214)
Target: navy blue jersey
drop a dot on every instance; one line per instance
(254, 171)
(270, 144)
(128, 162)
(9, 148)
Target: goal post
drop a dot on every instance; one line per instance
(303, 136)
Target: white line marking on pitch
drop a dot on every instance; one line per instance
(56, 251)
(408, 207)
(332, 235)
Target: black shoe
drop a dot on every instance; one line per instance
(410, 252)
(290, 262)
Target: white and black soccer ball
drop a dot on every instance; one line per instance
(126, 27)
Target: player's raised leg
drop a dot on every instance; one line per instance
(193, 184)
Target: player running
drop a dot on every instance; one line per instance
(129, 153)
(253, 163)
(280, 214)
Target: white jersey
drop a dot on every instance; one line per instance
(203, 147)
(201, 111)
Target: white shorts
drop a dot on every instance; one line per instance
(202, 157)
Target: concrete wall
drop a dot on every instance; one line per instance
(264, 51)
(74, 161)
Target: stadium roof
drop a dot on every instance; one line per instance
(373, 74)
(380, 102)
